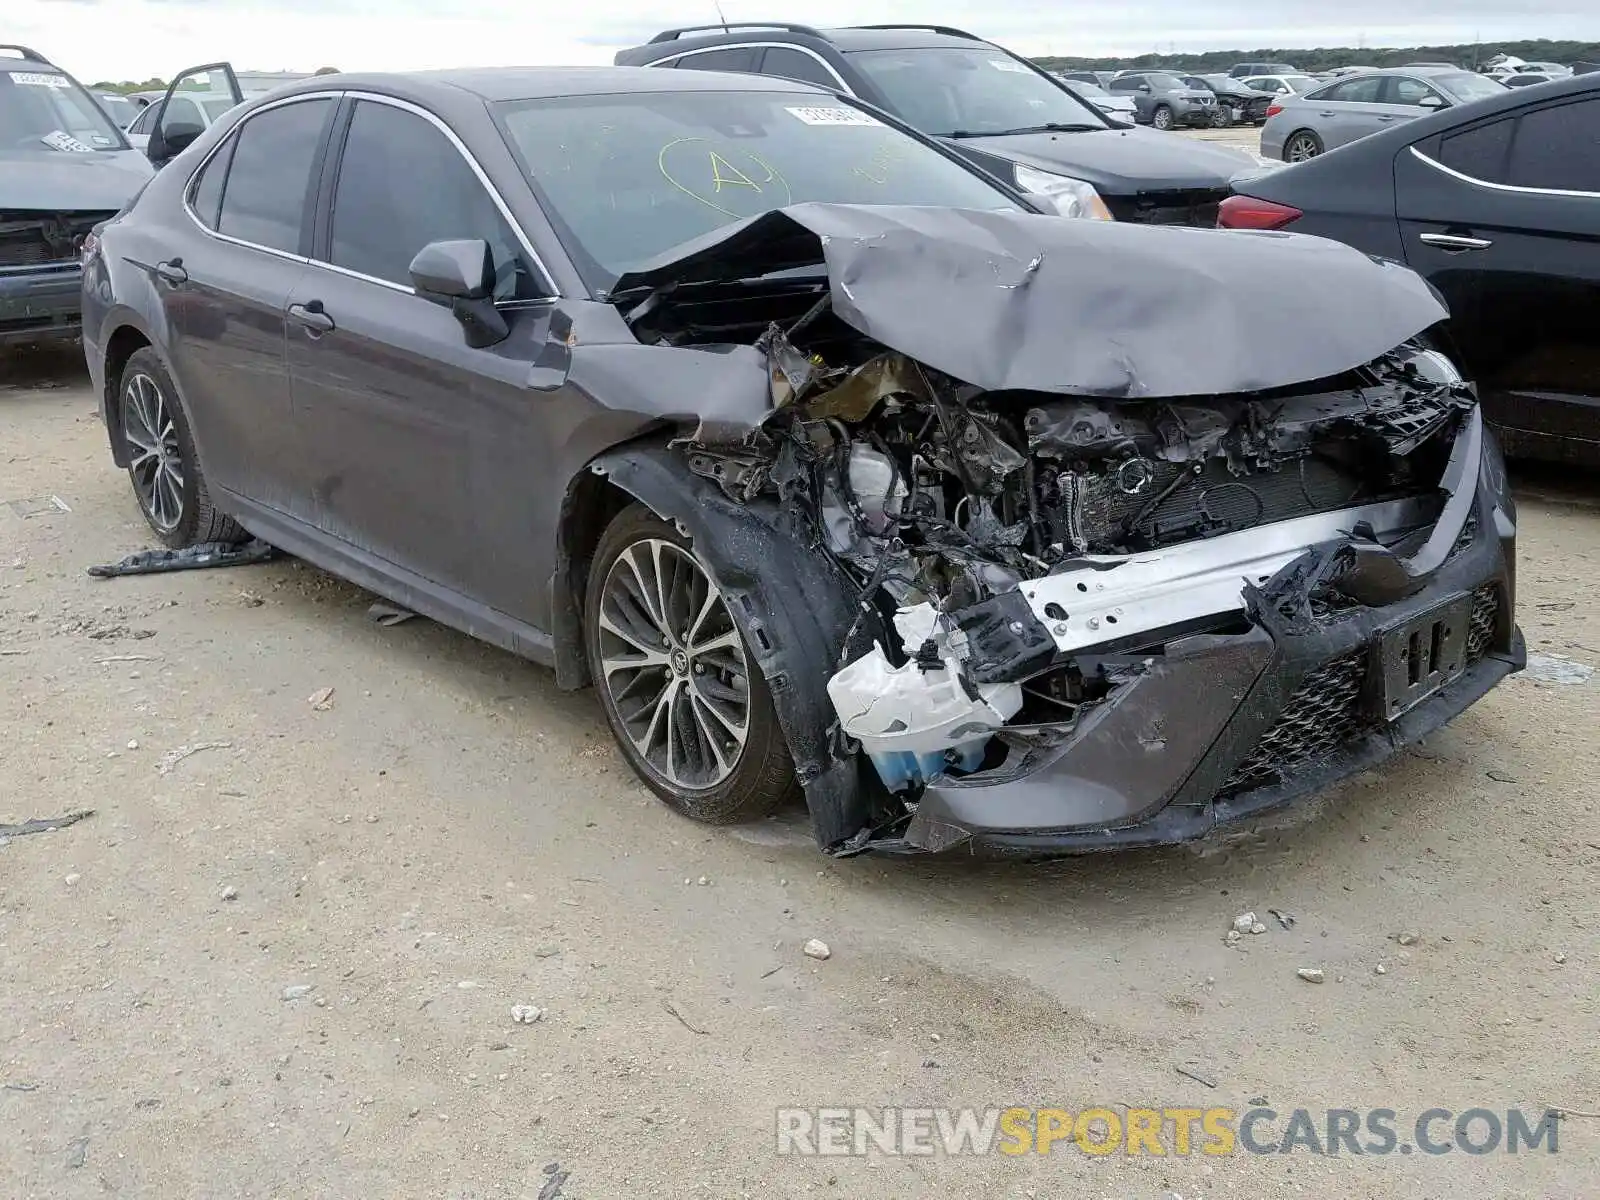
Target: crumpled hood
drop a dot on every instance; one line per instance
(1011, 300)
(64, 181)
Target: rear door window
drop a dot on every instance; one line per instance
(1479, 152)
(381, 218)
(793, 64)
(731, 58)
(271, 185)
(1558, 148)
(1355, 91)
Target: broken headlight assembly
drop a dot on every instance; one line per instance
(1071, 197)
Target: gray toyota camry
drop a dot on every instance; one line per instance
(841, 469)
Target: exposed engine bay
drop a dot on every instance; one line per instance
(995, 535)
(1102, 567)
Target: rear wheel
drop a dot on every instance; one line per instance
(689, 708)
(162, 464)
(1302, 145)
(1162, 117)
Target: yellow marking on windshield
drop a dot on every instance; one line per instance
(752, 178)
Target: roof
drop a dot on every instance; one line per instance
(496, 84)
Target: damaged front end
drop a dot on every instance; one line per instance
(1090, 616)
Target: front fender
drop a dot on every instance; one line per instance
(793, 606)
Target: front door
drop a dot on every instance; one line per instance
(1504, 218)
(412, 437)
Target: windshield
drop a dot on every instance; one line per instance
(119, 108)
(982, 91)
(45, 109)
(626, 177)
(1162, 82)
(1086, 89)
(1463, 85)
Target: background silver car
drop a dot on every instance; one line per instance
(1304, 126)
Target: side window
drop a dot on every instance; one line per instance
(381, 218)
(1126, 83)
(146, 119)
(1558, 148)
(270, 185)
(792, 64)
(1480, 152)
(205, 193)
(1408, 91)
(1357, 91)
(733, 58)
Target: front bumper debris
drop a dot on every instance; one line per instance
(39, 304)
(1224, 727)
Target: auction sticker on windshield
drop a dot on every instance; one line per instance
(833, 116)
(36, 79)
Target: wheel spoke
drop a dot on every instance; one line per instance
(727, 640)
(647, 644)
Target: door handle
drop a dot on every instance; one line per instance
(172, 271)
(1454, 241)
(1326, 113)
(311, 316)
(1388, 117)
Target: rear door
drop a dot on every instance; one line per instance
(1406, 98)
(225, 287)
(418, 445)
(1503, 216)
(1350, 110)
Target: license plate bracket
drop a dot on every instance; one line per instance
(1420, 655)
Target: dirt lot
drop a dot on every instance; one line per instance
(453, 836)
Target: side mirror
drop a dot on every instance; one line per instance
(459, 275)
(169, 141)
(1431, 102)
(1144, 87)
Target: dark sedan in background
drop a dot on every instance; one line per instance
(1237, 102)
(1014, 120)
(1497, 204)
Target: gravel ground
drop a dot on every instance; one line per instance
(451, 836)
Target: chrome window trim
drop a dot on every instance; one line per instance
(405, 105)
(1502, 187)
(806, 50)
(483, 179)
(194, 176)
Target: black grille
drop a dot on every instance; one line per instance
(1194, 207)
(41, 239)
(1481, 626)
(1323, 714)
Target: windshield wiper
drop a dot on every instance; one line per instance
(1048, 127)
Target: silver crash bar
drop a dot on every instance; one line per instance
(1101, 597)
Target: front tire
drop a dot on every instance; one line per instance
(1222, 117)
(685, 700)
(1162, 117)
(1302, 146)
(162, 463)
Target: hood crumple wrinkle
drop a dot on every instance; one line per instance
(1011, 300)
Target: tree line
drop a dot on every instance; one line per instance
(1326, 58)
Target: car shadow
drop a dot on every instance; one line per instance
(48, 365)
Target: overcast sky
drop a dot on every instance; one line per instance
(134, 39)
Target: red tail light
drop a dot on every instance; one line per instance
(1274, 109)
(1247, 212)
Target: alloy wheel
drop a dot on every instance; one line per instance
(673, 665)
(1302, 147)
(1162, 119)
(155, 457)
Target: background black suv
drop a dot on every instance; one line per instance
(999, 110)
